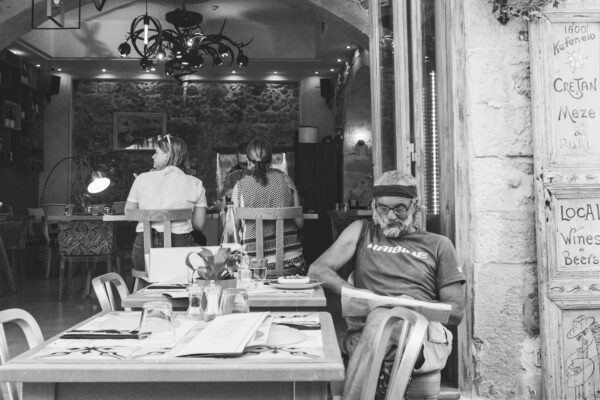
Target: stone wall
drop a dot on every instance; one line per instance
(206, 115)
(505, 321)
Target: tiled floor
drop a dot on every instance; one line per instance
(39, 297)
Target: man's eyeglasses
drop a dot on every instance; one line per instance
(401, 210)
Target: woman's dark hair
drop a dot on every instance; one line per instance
(259, 153)
(177, 149)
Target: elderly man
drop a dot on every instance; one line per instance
(393, 257)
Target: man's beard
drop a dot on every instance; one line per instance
(392, 229)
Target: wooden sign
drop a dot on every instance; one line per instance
(575, 91)
(577, 233)
(565, 82)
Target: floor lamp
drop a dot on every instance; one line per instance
(99, 181)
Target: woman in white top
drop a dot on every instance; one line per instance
(167, 186)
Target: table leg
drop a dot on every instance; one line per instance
(61, 277)
(5, 267)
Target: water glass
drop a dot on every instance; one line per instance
(258, 267)
(211, 301)
(234, 300)
(195, 302)
(156, 324)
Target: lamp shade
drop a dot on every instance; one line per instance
(99, 182)
(308, 134)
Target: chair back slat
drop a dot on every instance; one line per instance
(167, 234)
(103, 288)
(269, 214)
(159, 215)
(32, 333)
(279, 245)
(260, 251)
(410, 341)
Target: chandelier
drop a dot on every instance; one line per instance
(185, 48)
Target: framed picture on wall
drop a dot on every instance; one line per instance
(137, 131)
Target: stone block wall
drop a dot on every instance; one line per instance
(206, 115)
(505, 321)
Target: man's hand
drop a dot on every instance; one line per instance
(335, 257)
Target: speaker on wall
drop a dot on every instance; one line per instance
(326, 88)
(54, 84)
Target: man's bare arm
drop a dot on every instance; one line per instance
(454, 294)
(335, 257)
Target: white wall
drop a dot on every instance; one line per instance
(314, 111)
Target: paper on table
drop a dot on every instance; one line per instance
(359, 302)
(262, 333)
(227, 334)
(175, 294)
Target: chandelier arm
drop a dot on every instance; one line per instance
(233, 43)
(222, 26)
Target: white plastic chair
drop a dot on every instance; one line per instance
(32, 332)
(410, 341)
(103, 288)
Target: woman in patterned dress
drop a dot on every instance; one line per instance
(267, 187)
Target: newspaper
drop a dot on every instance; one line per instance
(359, 302)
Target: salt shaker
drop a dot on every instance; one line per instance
(195, 302)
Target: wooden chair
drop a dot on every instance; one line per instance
(103, 288)
(410, 341)
(13, 233)
(52, 229)
(147, 217)
(38, 235)
(269, 214)
(32, 332)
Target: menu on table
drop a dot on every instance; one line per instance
(226, 334)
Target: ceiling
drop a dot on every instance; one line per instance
(288, 42)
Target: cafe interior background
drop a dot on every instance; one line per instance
(482, 64)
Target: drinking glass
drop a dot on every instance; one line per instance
(234, 300)
(211, 301)
(195, 301)
(258, 266)
(156, 324)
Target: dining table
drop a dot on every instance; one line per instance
(289, 363)
(312, 299)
